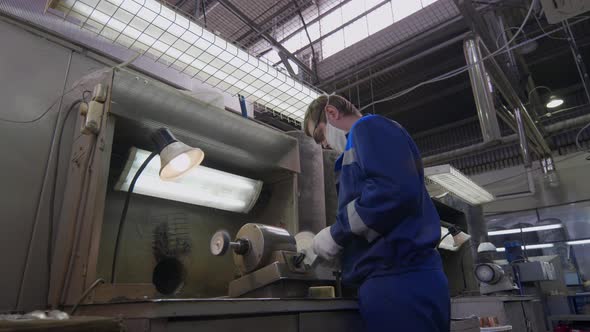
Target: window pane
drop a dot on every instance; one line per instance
(352, 9)
(332, 44)
(356, 31)
(296, 42)
(314, 32)
(380, 18)
(405, 8)
(331, 21)
(272, 56)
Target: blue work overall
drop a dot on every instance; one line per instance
(388, 228)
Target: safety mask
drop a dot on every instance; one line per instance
(336, 138)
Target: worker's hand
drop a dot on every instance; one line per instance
(325, 246)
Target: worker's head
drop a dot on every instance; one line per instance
(328, 110)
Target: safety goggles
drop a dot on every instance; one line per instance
(319, 135)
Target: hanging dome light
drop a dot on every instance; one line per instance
(554, 102)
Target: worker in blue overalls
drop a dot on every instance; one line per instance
(387, 227)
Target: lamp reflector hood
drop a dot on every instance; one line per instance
(176, 157)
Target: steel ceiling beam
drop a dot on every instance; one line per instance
(403, 50)
(396, 83)
(317, 19)
(498, 75)
(244, 18)
(344, 25)
(264, 22)
(452, 90)
(404, 62)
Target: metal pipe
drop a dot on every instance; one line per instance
(580, 65)
(484, 100)
(569, 123)
(526, 156)
(502, 83)
(399, 51)
(524, 146)
(403, 62)
(450, 155)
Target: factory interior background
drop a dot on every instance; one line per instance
(495, 93)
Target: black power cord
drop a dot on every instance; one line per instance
(54, 190)
(124, 213)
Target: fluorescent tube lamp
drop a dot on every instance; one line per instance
(455, 182)
(578, 242)
(199, 186)
(525, 229)
(554, 102)
(531, 247)
(149, 26)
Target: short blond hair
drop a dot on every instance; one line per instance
(319, 104)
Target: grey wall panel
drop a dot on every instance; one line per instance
(33, 293)
(33, 72)
(80, 66)
(570, 183)
(207, 275)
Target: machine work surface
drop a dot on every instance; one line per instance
(159, 308)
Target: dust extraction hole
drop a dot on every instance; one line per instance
(168, 276)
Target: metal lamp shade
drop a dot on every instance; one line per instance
(178, 158)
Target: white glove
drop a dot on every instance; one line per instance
(325, 246)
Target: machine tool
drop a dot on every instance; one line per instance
(491, 276)
(268, 261)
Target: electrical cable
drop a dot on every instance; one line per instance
(578, 144)
(124, 213)
(533, 169)
(51, 218)
(85, 294)
(501, 33)
(40, 116)
(460, 70)
(545, 32)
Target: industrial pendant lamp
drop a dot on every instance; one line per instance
(176, 158)
(554, 102)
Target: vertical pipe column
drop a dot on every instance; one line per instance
(524, 147)
(482, 93)
(578, 59)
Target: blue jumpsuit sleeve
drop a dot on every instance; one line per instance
(391, 183)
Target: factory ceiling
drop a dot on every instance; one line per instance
(428, 51)
(414, 49)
